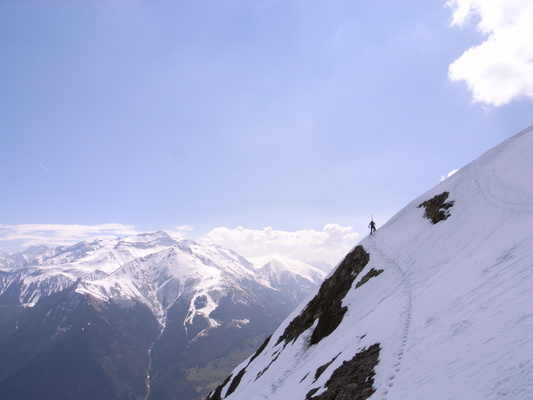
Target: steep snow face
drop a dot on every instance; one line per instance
(450, 304)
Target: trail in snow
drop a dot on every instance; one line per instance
(503, 195)
(300, 357)
(407, 312)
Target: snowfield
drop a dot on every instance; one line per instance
(452, 310)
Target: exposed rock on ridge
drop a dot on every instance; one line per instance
(326, 306)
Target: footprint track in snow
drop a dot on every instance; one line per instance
(407, 311)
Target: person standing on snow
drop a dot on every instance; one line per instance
(372, 226)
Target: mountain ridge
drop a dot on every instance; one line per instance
(190, 311)
(441, 310)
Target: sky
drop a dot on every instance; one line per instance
(266, 126)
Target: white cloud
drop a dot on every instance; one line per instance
(184, 228)
(500, 69)
(449, 174)
(330, 244)
(61, 235)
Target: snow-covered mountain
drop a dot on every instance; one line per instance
(437, 304)
(288, 275)
(158, 315)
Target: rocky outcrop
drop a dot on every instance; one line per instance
(326, 306)
(353, 380)
(437, 209)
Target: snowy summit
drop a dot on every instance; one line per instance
(437, 304)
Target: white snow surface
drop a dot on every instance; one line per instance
(453, 309)
(152, 268)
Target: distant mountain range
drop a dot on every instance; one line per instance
(150, 316)
(436, 304)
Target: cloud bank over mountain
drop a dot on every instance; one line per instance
(311, 245)
(61, 234)
(329, 244)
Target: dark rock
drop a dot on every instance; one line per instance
(326, 306)
(320, 370)
(217, 393)
(371, 274)
(260, 349)
(437, 209)
(235, 382)
(353, 380)
(200, 302)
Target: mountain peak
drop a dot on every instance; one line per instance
(151, 238)
(167, 314)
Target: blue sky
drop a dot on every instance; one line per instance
(120, 117)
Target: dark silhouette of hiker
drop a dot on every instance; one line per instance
(372, 226)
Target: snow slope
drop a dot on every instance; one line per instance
(452, 310)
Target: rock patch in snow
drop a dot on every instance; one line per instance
(436, 208)
(353, 380)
